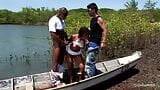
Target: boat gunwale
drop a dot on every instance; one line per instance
(94, 77)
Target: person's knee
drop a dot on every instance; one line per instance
(81, 67)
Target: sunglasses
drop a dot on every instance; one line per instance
(89, 10)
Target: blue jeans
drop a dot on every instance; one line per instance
(90, 67)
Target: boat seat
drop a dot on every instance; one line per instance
(101, 68)
(23, 83)
(42, 81)
(6, 84)
(111, 65)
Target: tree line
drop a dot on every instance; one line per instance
(40, 16)
(28, 15)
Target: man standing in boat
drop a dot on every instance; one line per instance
(59, 37)
(97, 39)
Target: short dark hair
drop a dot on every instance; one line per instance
(63, 11)
(93, 6)
(83, 31)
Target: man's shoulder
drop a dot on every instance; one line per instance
(54, 18)
(99, 18)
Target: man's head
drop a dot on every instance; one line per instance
(92, 8)
(62, 13)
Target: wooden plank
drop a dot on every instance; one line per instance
(29, 86)
(100, 67)
(128, 59)
(6, 84)
(42, 81)
(23, 83)
(111, 65)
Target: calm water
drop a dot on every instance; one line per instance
(23, 50)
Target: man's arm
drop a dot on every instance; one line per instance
(56, 37)
(104, 33)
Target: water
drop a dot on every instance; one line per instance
(23, 50)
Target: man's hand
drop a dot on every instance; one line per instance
(103, 45)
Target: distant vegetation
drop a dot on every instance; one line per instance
(123, 24)
(28, 16)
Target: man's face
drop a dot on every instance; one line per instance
(64, 16)
(91, 12)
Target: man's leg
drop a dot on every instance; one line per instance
(61, 55)
(90, 67)
(55, 55)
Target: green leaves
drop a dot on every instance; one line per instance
(126, 24)
(75, 20)
(122, 24)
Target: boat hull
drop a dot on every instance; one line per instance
(107, 70)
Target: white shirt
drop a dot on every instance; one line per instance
(55, 23)
(76, 42)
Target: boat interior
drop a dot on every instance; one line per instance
(37, 81)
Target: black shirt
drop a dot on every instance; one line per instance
(96, 31)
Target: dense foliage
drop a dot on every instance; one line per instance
(122, 24)
(28, 16)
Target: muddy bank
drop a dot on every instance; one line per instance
(146, 75)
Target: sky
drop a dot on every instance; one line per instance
(17, 5)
